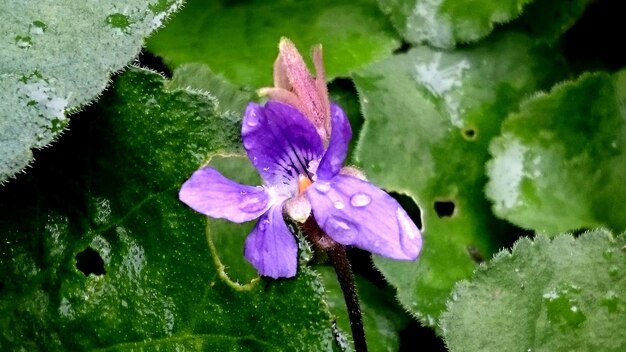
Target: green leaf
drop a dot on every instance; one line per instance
(382, 318)
(57, 56)
(98, 252)
(200, 77)
(560, 162)
(445, 23)
(548, 20)
(240, 41)
(565, 294)
(429, 116)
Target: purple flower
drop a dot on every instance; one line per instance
(301, 176)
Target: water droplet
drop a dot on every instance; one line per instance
(406, 224)
(251, 203)
(339, 205)
(614, 271)
(263, 224)
(23, 41)
(360, 200)
(562, 306)
(610, 300)
(266, 169)
(38, 27)
(322, 187)
(252, 119)
(119, 21)
(341, 229)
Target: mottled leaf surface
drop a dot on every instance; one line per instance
(240, 41)
(429, 116)
(445, 23)
(560, 163)
(564, 294)
(98, 252)
(57, 56)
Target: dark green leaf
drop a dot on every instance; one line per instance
(98, 252)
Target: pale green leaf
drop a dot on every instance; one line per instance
(57, 56)
(564, 294)
(560, 163)
(429, 116)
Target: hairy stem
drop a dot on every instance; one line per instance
(339, 259)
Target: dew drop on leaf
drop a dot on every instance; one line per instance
(38, 27)
(119, 21)
(23, 41)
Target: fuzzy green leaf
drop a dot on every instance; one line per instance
(429, 116)
(56, 57)
(565, 294)
(560, 163)
(98, 252)
(240, 41)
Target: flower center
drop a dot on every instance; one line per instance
(303, 183)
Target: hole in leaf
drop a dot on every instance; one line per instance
(410, 207)
(444, 208)
(469, 133)
(89, 261)
(404, 47)
(474, 253)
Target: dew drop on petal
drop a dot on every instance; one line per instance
(360, 200)
(322, 187)
(340, 229)
(404, 223)
(243, 192)
(263, 224)
(252, 119)
(339, 205)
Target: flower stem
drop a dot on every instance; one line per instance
(339, 259)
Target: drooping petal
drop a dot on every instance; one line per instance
(271, 248)
(337, 150)
(210, 193)
(279, 141)
(355, 212)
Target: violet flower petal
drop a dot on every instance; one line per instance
(337, 150)
(210, 193)
(279, 141)
(355, 212)
(271, 248)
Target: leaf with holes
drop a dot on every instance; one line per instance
(560, 162)
(564, 294)
(239, 40)
(429, 116)
(57, 56)
(445, 23)
(98, 252)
